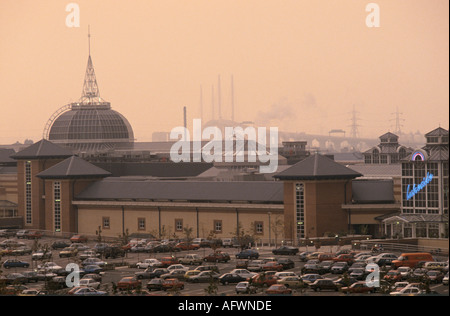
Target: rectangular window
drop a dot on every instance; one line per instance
(106, 223)
(259, 228)
(178, 225)
(141, 223)
(57, 206)
(28, 210)
(217, 226)
(300, 210)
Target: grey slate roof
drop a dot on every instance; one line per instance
(317, 167)
(155, 169)
(378, 170)
(437, 132)
(373, 191)
(5, 158)
(203, 191)
(73, 167)
(42, 149)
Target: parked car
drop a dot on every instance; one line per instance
(412, 259)
(128, 283)
(247, 254)
(339, 267)
(255, 265)
(278, 289)
(33, 234)
(15, 263)
(405, 272)
(170, 284)
(358, 274)
(263, 279)
(407, 291)
(285, 250)
(8, 233)
(167, 261)
(187, 246)
(445, 279)
(245, 287)
(174, 274)
(60, 244)
(155, 284)
(325, 257)
(191, 259)
(22, 233)
(287, 263)
(204, 276)
(89, 283)
(146, 263)
(348, 258)
(87, 291)
(311, 278)
(68, 252)
(292, 282)
(92, 268)
(218, 256)
(78, 239)
(393, 276)
(227, 278)
(208, 268)
(243, 273)
(93, 261)
(324, 284)
(272, 266)
(303, 256)
(435, 276)
(88, 254)
(358, 287)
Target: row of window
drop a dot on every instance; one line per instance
(179, 226)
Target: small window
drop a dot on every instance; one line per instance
(259, 227)
(106, 223)
(141, 223)
(178, 225)
(217, 226)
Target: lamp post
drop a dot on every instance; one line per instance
(270, 230)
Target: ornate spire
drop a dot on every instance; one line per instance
(90, 86)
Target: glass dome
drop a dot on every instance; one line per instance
(91, 127)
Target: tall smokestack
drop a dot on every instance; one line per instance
(185, 123)
(219, 98)
(201, 103)
(232, 99)
(212, 102)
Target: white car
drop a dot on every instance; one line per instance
(177, 267)
(284, 274)
(245, 287)
(154, 263)
(50, 266)
(407, 291)
(89, 283)
(244, 273)
(445, 279)
(405, 272)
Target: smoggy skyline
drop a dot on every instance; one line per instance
(299, 65)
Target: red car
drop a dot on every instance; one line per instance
(187, 246)
(169, 284)
(129, 283)
(167, 261)
(264, 280)
(344, 258)
(78, 238)
(272, 266)
(393, 275)
(217, 256)
(34, 234)
(278, 289)
(358, 287)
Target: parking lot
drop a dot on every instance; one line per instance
(122, 267)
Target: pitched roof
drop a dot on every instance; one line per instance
(42, 149)
(437, 132)
(73, 167)
(317, 167)
(202, 191)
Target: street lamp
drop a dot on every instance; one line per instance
(270, 230)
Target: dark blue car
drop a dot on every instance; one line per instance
(14, 263)
(92, 269)
(247, 254)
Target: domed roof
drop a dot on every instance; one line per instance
(89, 124)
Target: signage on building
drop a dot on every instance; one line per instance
(416, 155)
(417, 188)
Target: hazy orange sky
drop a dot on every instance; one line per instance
(300, 65)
